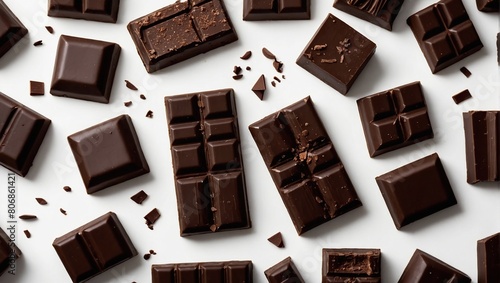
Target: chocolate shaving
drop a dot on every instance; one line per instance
(41, 201)
(277, 79)
(142, 96)
(268, 54)
(130, 85)
(62, 211)
(27, 233)
(247, 55)
(127, 103)
(38, 43)
(248, 68)
(278, 66)
(237, 77)
(465, 71)
(49, 29)
(151, 217)
(27, 217)
(149, 114)
(67, 188)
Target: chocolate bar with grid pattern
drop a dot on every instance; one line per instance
(261, 10)
(204, 272)
(92, 10)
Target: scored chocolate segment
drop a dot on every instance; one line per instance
(416, 190)
(304, 165)
(284, 272)
(424, 268)
(204, 272)
(444, 33)
(8, 251)
(22, 131)
(379, 12)
(482, 145)
(92, 10)
(395, 118)
(261, 10)
(11, 29)
(207, 162)
(352, 265)
(180, 31)
(488, 259)
(488, 5)
(95, 247)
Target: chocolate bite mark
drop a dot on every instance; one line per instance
(461, 96)
(12, 30)
(351, 265)
(378, 12)
(139, 197)
(225, 271)
(37, 88)
(262, 10)
(91, 10)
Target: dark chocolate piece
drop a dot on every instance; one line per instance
(278, 66)
(348, 50)
(204, 272)
(139, 197)
(424, 268)
(27, 233)
(461, 96)
(416, 190)
(151, 217)
(273, 83)
(41, 201)
(262, 10)
(268, 54)
(67, 188)
(352, 265)
(394, 118)
(207, 162)
(130, 85)
(379, 12)
(38, 43)
(304, 165)
(95, 247)
(444, 33)
(248, 68)
(127, 103)
(37, 88)
(22, 131)
(7, 249)
(283, 272)
(149, 114)
(28, 217)
(49, 29)
(498, 48)
(277, 79)
(247, 55)
(147, 256)
(482, 146)
(11, 29)
(62, 211)
(465, 71)
(277, 240)
(181, 31)
(488, 259)
(237, 77)
(84, 68)
(488, 5)
(237, 70)
(259, 88)
(142, 96)
(91, 10)
(152, 252)
(108, 153)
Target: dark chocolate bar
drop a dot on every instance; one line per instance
(395, 118)
(461, 96)
(204, 272)
(180, 31)
(379, 12)
(488, 259)
(283, 272)
(207, 162)
(11, 29)
(95, 247)
(108, 153)
(261, 10)
(416, 190)
(352, 265)
(488, 5)
(304, 165)
(92, 10)
(8, 252)
(336, 54)
(22, 131)
(444, 33)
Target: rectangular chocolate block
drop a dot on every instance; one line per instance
(92, 10)
(304, 165)
(379, 12)
(482, 146)
(488, 259)
(22, 131)
(461, 96)
(204, 272)
(95, 247)
(444, 33)
(261, 10)
(8, 252)
(394, 118)
(284, 272)
(488, 5)
(207, 162)
(336, 54)
(11, 29)
(352, 265)
(180, 31)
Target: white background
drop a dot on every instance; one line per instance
(450, 235)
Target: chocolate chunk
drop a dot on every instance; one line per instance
(102, 167)
(487, 5)
(152, 252)
(424, 180)
(237, 70)
(273, 83)
(259, 88)
(283, 271)
(350, 48)
(445, 33)
(139, 197)
(91, 10)
(149, 114)
(248, 68)
(130, 85)
(262, 10)
(127, 103)
(22, 131)
(11, 29)
(67, 188)
(181, 31)
(146, 256)
(38, 43)
(84, 68)
(207, 162)
(49, 29)
(465, 71)
(482, 150)
(151, 217)
(488, 259)
(268, 54)
(277, 240)
(7, 249)
(62, 211)
(37, 88)
(237, 77)
(224, 272)
(379, 12)
(352, 265)
(95, 247)
(41, 201)
(461, 96)
(424, 268)
(247, 55)
(395, 118)
(27, 233)
(28, 217)
(142, 96)
(304, 166)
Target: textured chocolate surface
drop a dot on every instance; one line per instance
(95, 247)
(84, 68)
(108, 153)
(488, 5)
(22, 131)
(444, 33)
(283, 272)
(488, 259)
(336, 54)
(416, 190)
(7, 251)
(395, 118)
(207, 162)
(482, 145)
(424, 268)
(379, 12)
(11, 29)
(92, 10)
(352, 265)
(304, 165)
(259, 10)
(180, 31)
(205, 272)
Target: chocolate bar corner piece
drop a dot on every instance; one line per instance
(489, 6)
(352, 265)
(378, 12)
(11, 29)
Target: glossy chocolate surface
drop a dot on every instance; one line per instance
(488, 5)
(7, 251)
(379, 12)
(461, 96)
(260, 10)
(11, 29)
(204, 272)
(488, 259)
(283, 272)
(92, 10)
(352, 265)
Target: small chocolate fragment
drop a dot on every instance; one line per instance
(237, 77)
(248, 68)
(284, 271)
(37, 88)
(27, 234)
(147, 256)
(273, 83)
(352, 265)
(424, 268)
(152, 252)
(142, 96)
(237, 70)
(488, 5)
(424, 180)
(149, 114)
(268, 54)
(151, 217)
(461, 96)
(278, 66)
(62, 211)
(91, 10)
(139, 197)
(259, 87)
(67, 188)
(247, 55)
(263, 10)
(488, 259)
(277, 240)
(27, 217)
(127, 103)
(130, 85)
(41, 201)
(379, 12)
(220, 272)
(38, 43)
(465, 71)
(49, 29)
(7, 249)
(11, 29)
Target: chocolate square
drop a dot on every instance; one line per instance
(261, 10)
(379, 12)
(11, 29)
(92, 10)
(352, 265)
(284, 272)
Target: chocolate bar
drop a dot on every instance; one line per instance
(11, 29)
(488, 259)
(461, 96)
(92, 10)
(204, 272)
(304, 165)
(379, 12)
(487, 5)
(261, 10)
(352, 265)
(283, 272)
(9, 252)
(207, 162)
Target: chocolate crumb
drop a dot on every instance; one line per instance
(49, 29)
(277, 79)
(27, 233)
(278, 66)
(237, 70)
(41, 201)
(213, 228)
(260, 87)
(283, 77)
(247, 55)
(465, 71)
(37, 88)
(62, 211)
(147, 256)
(268, 54)
(461, 96)
(38, 43)
(277, 240)
(27, 217)
(248, 68)
(127, 103)
(149, 114)
(142, 96)
(273, 83)
(67, 188)
(152, 252)
(139, 197)
(130, 85)
(237, 77)
(213, 209)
